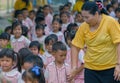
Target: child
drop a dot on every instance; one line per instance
(47, 56)
(34, 75)
(18, 41)
(78, 19)
(27, 22)
(69, 35)
(18, 15)
(56, 26)
(48, 16)
(8, 63)
(4, 40)
(8, 29)
(40, 33)
(57, 71)
(65, 16)
(36, 48)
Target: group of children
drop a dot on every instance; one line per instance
(36, 48)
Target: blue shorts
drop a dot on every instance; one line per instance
(103, 76)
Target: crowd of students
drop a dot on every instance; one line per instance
(36, 48)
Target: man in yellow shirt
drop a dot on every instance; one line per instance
(20, 4)
(101, 34)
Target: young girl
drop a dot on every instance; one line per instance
(65, 16)
(56, 26)
(78, 19)
(27, 22)
(58, 71)
(48, 16)
(4, 40)
(34, 75)
(18, 41)
(69, 35)
(47, 56)
(8, 61)
(40, 33)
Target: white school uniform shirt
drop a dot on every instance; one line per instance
(19, 43)
(60, 36)
(64, 27)
(13, 76)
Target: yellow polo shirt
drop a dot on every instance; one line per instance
(78, 5)
(19, 4)
(101, 44)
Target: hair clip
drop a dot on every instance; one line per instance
(36, 70)
(100, 5)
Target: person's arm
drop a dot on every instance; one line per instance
(117, 68)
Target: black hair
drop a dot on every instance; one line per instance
(59, 46)
(117, 10)
(51, 37)
(7, 52)
(24, 52)
(57, 20)
(114, 2)
(40, 17)
(32, 11)
(66, 5)
(36, 60)
(34, 73)
(36, 44)
(8, 28)
(40, 10)
(61, 8)
(54, 17)
(70, 31)
(15, 24)
(24, 30)
(45, 6)
(27, 2)
(92, 7)
(39, 26)
(5, 35)
(17, 12)
(67, 13)
(24, 9)
(108, 6)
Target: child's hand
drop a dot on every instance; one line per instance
(72, 75)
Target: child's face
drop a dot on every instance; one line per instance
(17, 31)
(55, 26)
(78, 18)
(34, 50)
(25, 13)
(6, 63)
(46, 10)
(39, 32)
(60, 56)
(4, 42)
(32, 15)
(66, 9)
(64, 18)
(20, 17)
(49, 46)
(27, 65)
(118, 14)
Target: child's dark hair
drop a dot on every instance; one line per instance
(45, 6)
(40, 10)
(59, 21)
(17, 12)
(5, 35)
(117, 10)
(24, 30)
(33, 11)
(34, 73)
(70, 31)
(52, 38)
(108, 7)
(40, 17)
(8, 28)
(40, 26)
(36, 44)
(54, 17)
(7, 52)
(59, 46)
(24, 52)
(36, 60)
(24, 9)
(67, 13)
(15, 24)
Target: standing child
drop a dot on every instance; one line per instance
(9, 60)
(4, 40)
(47, 56)
(18, 41)
(65, 16)
(69, 35)
(78, 19)
(34, 75)
(48, 16)
(40, 33)
(56, 26)
(57, 71)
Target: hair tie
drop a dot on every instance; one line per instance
(100, 5)
(36, 70)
